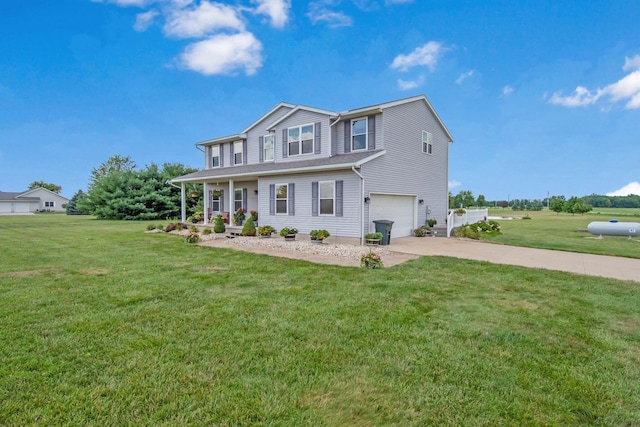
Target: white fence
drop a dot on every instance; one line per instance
(469, 217)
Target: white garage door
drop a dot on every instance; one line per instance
(5, 207)
(399, 209)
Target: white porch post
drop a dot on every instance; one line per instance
(232, 200)
(183, 203)
(205, 187)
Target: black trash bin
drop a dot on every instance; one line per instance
(384, 226)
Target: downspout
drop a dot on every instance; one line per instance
(353, 168)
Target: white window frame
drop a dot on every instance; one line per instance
(215, 200)
(236, 200)
(333, 198)
(49, 204)
(271, 138)
(237, 151)
(427, 142)
(215, 155)
(280, 199)
(300, 141)
(366, 134)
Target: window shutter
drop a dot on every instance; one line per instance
(292, 199)
(221, 155)
(245, 155)
(372, 132)
(314, 198)
(233, 160)
(272, 199)
(208, 161)
(285, 151)
(347, 136)
(316, 138)
(221, 198)
(244, 199)
(261, 149)
(339, 197)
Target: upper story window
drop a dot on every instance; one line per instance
(237, 153)
(427, 142)
(300, 140)
(359, 134)
(282, 200)
(215, 156)
(326, 197)
(268, 147)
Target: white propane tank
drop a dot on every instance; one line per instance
(614, 228)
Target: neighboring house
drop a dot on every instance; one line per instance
(34, 200)
(311, 168)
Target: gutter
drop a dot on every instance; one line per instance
(353, 168)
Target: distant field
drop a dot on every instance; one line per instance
(566, 232)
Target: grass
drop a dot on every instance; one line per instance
(567, 232)
(102, 324)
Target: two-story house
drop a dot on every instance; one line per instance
(310, 168)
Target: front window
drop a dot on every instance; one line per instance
(215, 156)
(300, 140)
(427, 142)
(281, 199)
(359, 134)
(268, 145)
(237, 199)
(327, 197)
(215, 203)
(237, 153)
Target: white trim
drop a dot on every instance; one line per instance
(235, 153)
(223, 139)
(297, 108)
(366, 133)
(273, 147)
(264, 116)
(300, 153)
(428, 143)
(286, 199)
(333, 183)
(212, 156)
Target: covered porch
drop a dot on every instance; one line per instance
(223, 197)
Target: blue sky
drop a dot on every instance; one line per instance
(540, 96)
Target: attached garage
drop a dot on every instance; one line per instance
(399, 209)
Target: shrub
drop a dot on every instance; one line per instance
(475, 230)
(266, 230)
(151, 227)
(193, 229)
(371, 260)
(285, 231)
(319, 234)
(206, 231)
(419, 232)
(192, 238)
(159, 227)
(170, 227)
(219, 227)
(249, 228)
(371, 236)
(180, 226)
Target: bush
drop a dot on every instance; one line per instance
(151, 227)
(159, 227)
(373, 236)
(193, 229)
(249, 228)
(219, 227)
(192, 238)
(170, 227)
(206, 231)
(420, 232)
(475, 230)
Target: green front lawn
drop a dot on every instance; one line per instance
(103, 324)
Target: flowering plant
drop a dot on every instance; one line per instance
(371, 260)
(239, 215)
(254, 215)
(266, 230)
(285, 231)
(192, 237)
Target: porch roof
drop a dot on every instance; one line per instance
(342, 161)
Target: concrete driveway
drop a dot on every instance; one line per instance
(593, 265)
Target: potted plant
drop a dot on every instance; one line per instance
(253, 216)
(289, 233)
(373, 238)
(460, 211)
(317, 236)
(266, 231)
(217, 192)
(432, 222)
(239, 216)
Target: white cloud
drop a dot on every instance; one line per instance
(426, 55)
(454, 184)
(224, 54)
(202, 20)
(627, 88)
(464, 76)
(276, 10)
(319, 12)
(631, 188)
(144, 20)
(506, 91)
(410, 84)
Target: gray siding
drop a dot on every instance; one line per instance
(339, 133)
(346, 225)
(405, 169)
(303, 117)
(260, 129)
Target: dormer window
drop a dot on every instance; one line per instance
(359, 134)
(300, 140)
(268, 147)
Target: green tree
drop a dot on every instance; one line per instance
(73, 208)
(557, 204)
(464, 198)
(481, 201)
(115, 163)
(51, 187)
